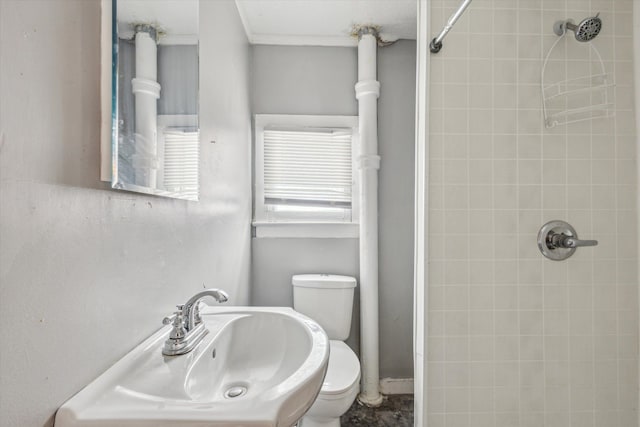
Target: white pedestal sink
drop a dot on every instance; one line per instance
(256, 367)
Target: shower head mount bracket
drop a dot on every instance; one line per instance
(585, 31)
(560, 27)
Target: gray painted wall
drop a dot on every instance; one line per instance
(86, 273)
(396, 146)
(304, 80)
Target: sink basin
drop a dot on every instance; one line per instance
(255, 367)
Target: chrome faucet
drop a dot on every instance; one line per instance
(188, 328)
(191, 310)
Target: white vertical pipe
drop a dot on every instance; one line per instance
(147, 91)
(367, 93)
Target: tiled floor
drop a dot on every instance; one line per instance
(395, 411)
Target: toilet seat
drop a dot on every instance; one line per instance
(343, 372)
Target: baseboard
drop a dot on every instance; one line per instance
(396, 386)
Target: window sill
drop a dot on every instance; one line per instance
(326, 230)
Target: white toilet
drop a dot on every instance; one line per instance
(328, 299)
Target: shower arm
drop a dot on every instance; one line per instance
(436, 43)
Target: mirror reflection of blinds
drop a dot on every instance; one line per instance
(308, 167)
(181, 160)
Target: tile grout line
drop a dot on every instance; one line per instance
(567, 210)
(468, 239)
(542, 260)
(616, 225)
(493, 218)
(518, 191)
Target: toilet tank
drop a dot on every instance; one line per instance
(327, 299)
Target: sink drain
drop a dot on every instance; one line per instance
(235, 391)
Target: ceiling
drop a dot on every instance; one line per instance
(324, 22)
(177, 19)
(288, 22)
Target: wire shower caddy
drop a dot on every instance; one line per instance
(580, 98)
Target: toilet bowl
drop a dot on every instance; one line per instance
(339, 389)
(328, 299)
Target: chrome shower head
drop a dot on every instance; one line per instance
(585, 31)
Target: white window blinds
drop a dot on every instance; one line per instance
(309, 167)
(181, 149)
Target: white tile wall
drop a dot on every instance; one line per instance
(515, 339)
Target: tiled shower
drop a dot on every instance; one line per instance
(515, 339)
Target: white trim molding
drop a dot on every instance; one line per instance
(303, 40)
(396, 386)
(421, 251)
(319, 230)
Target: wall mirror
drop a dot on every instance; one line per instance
(154, 117)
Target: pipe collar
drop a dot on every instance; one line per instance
(145, 87)
(367, 87)
(369, 161)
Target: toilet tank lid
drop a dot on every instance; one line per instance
(333, 281)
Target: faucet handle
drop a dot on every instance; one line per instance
(177, 320)
(172, 319)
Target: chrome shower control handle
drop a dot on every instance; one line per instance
(561, 240)
(558, 240)
(570, 242)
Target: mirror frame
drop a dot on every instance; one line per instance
(106, 92)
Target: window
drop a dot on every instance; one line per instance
(178, 149)
(305, 176)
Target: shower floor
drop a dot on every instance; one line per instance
(395, 411)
